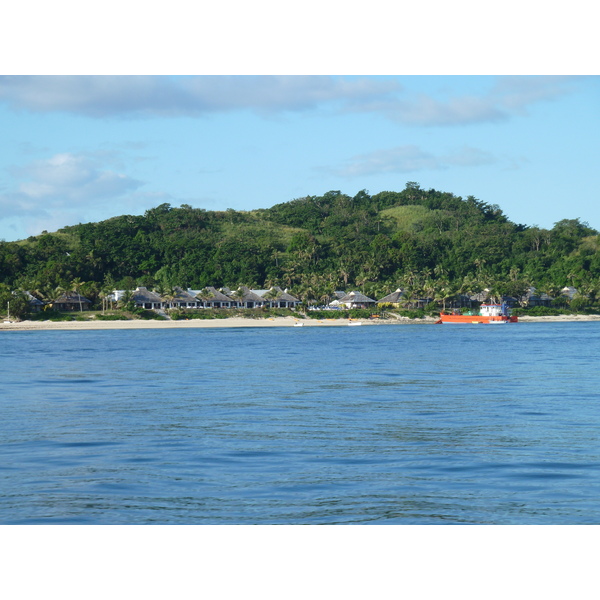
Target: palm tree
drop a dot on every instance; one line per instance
(59, 290)
(238, 296)
(168, 296)
(205, 294)
(76, 285)
(271, 295)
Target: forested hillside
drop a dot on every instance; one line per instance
(428, 242)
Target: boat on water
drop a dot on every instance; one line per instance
(494, 314)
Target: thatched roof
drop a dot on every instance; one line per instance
(183, 296)
(532, 293)
(394, 297)
(143, 294)
(569, 292)
(480, 296)
(248, 295)
(72, 298)
(284, 295)
(356, 298)
(211, 294)
(276, 294)
(33, 301)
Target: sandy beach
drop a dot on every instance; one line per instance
(198, 323)
(559, 319)
(233, 322)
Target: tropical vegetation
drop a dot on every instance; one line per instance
(427, 242)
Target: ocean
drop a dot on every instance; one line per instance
(381, 425)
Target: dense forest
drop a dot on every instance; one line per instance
(429, 243)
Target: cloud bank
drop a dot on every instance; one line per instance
(410, 158)
(193, 96)
(153, 96)
(61, 190)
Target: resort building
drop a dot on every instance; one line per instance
(210, 297)
(357, 300)
(395, 298)
(277, 298)
(181, 299)
(144, 298)
(71, 301)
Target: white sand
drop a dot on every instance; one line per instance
(561, 318)
(241, 322)
(192, 323)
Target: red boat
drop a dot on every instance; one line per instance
(488, 313)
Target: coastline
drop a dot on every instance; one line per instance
(233, 322)
(559, 318)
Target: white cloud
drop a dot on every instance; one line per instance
(410, 158)
(507, 97)
(468, 157)
(60, 190)
(168, 96)
(425, 110)
(69, 178)
(100, 96)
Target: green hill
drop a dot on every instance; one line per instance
(423, 239)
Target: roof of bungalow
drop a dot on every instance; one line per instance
(356, 297)
(71, 298)
(211, 293)
(532, 292)
(393, 297)
(480, 296)
(142, 294)
(181, 294)
(33, 301)
(277, 294)
(569, 292)
(249, 295)
(285, 295)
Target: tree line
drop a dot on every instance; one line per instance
(427, 242)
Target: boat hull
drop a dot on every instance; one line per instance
(476, 319)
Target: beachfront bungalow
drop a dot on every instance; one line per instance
(396, 298)
(243, 297)
(357, 300)
(569, 292)
(71, 301)
(144, 298)
(277, 298)
(532, 298)
(210, 297)
(182, 299)
(479, 297)
(35, 304)
(335, 301)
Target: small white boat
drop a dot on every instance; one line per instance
(353, 323)
(298, 324)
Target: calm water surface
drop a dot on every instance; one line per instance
(409, 424)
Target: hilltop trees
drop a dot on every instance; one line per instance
(432, 242)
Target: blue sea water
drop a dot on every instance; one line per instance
(407, 424)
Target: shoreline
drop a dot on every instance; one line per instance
(233, 322)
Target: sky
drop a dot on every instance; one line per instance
(86, 148)
(244, 113)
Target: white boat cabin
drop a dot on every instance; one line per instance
(494, 310)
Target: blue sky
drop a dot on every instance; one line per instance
(86, 148)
